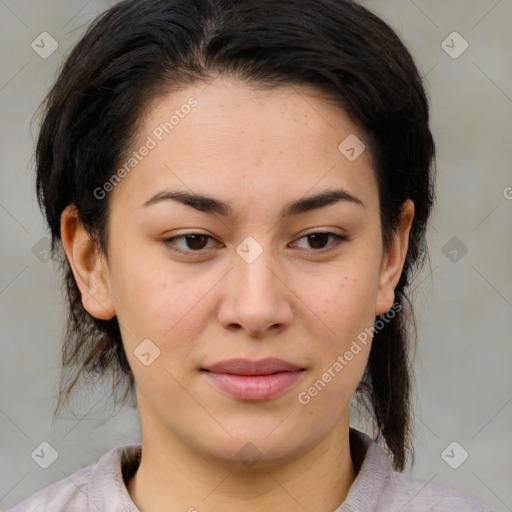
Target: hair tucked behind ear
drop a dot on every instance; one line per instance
(139, 50)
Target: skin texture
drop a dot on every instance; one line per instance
(256, 150)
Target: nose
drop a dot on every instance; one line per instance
(257, 297)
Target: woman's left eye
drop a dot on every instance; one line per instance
(196, 241)
(320, 237)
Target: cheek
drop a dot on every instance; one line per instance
(342, 307)
(157, 308)
(346, 308)
(155, 303)
(343, 297)
(167, 308)
(145, 296)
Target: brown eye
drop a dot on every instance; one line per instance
(318, 240)
(194, 242)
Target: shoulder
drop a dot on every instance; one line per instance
(70, 493)
(418, 495)
(379, 488)
(98, 485)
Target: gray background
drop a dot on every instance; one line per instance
(464, 302)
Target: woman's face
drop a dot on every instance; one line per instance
(253, 285)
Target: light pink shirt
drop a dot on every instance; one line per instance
(377, 488)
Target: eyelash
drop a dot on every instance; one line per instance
(339, 239)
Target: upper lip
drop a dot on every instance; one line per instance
(240, 366)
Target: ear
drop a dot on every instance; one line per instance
(393, 261)
(88, 265)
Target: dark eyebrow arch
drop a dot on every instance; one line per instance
(212, 205)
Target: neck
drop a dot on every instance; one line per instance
(172, 476)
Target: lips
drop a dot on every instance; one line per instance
(254, 381)
(240, 366)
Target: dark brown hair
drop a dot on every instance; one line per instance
(139, 50)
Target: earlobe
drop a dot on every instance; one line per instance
(394, 260)
(88, 265)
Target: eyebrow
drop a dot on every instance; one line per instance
(213, 205)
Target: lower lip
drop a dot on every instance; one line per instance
(254, 387)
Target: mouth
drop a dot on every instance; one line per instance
(249, 367)
(256, 381)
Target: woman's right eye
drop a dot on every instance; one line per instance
(195, 241)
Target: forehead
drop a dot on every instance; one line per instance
(231, 140)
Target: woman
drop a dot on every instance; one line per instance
(239, 192)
